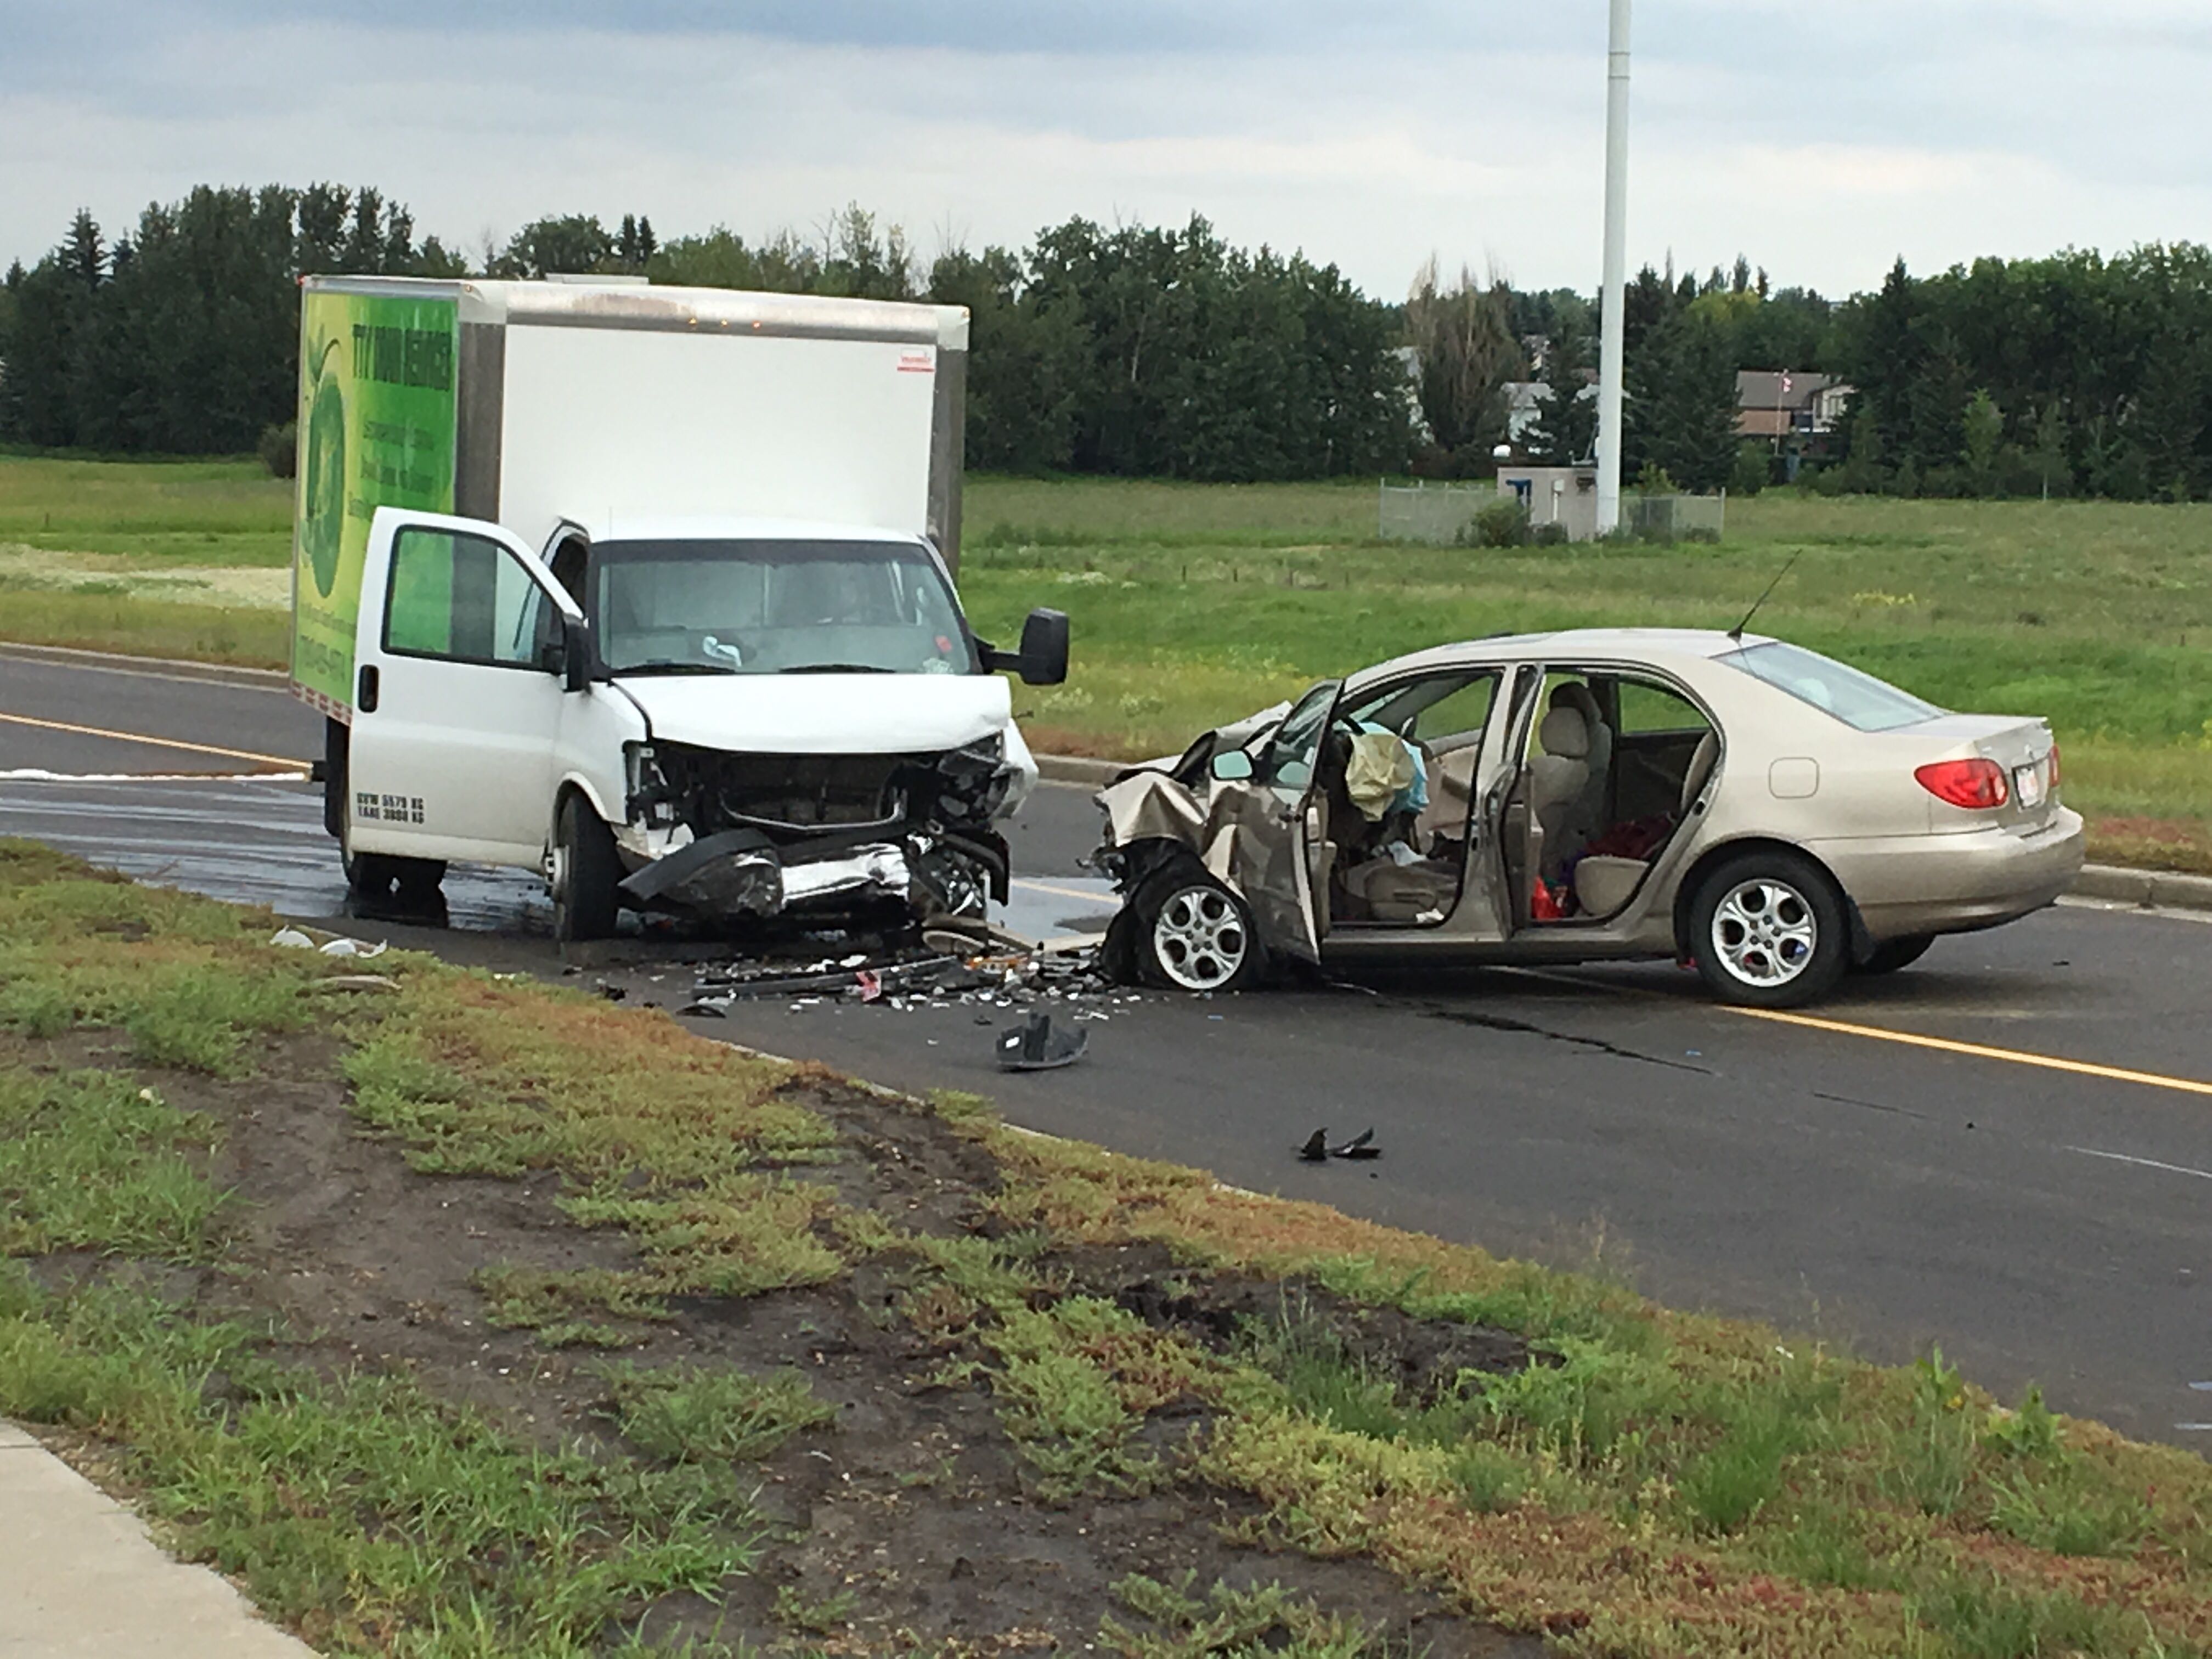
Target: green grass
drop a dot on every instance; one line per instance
(1196, 603)
(684, 1414)
(1650, 1484)
(152, 512)
(361, 1511)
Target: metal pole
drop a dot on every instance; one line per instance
(1612, 297)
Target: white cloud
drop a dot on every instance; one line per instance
(1820, 140)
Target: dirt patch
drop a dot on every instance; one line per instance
(911, 1520)
(1421, 1358)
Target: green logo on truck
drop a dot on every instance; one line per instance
(322, 479)
(376, 422)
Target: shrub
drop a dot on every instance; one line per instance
(280, 449)
(1502, 523)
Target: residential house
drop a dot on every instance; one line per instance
(1791, 405)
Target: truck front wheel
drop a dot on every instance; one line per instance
(585, 871)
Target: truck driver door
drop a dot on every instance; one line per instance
(457, 694)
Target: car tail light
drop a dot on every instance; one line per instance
(1976, 783)
(2054, 766)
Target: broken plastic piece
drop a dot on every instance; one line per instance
(871, 985)
(1316, 1150)
(1360, 1145)
(1034, 1046)
(354, 947)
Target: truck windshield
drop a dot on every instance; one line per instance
(773, 607)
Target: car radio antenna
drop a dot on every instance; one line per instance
(1737, 632)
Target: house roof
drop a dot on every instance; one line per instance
(1760, 389)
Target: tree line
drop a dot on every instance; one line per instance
(1132, 349)
(1168, 352)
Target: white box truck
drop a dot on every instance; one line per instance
(651, 590)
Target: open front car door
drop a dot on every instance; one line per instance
(1267, 834)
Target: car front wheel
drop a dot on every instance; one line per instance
(1768, 931)
(1193, 934)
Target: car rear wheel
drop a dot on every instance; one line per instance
(1892, 954)
(1194, 934)
(585, 871)
(1767, 930)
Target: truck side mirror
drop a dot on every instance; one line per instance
(1043, 659)
(575, 654)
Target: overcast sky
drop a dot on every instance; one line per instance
(1820, 139)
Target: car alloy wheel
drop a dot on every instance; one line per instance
(1765, 932)
(1199, 938)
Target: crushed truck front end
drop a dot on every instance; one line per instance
(822, 733)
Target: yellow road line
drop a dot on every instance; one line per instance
(1981, 1051)
(285, 761)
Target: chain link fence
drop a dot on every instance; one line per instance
(1438, 512)
(1674, 517)
(1444, 513)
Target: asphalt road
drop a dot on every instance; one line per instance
(1905, 1164)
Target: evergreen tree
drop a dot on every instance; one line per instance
(1681, 403)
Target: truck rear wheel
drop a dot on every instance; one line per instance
(585, 871)
(374, 875)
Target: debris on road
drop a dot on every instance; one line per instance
(956, 965)
(1317, 1149)
(1034, 1046)
(1360, 1145)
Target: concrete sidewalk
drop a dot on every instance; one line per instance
(81, 1579)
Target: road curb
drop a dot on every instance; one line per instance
(2163, 890)
(257, 679)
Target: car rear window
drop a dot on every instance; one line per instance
(1854, 698)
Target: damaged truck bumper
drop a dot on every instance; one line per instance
(738, 874)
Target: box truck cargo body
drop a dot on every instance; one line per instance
(650, 589)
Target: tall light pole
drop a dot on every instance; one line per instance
(1612, 295)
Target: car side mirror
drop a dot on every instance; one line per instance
(1232, 766)
(1043, 659)
(575, 654)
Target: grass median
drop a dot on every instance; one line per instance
(1196, 603)
(457, 1314)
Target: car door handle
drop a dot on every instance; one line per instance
(364, 689)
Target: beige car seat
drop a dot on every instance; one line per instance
(1556, 778)
(1403, 893)
(1603, 884)
(1586, 818)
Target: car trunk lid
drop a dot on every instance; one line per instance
(2020, 747)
